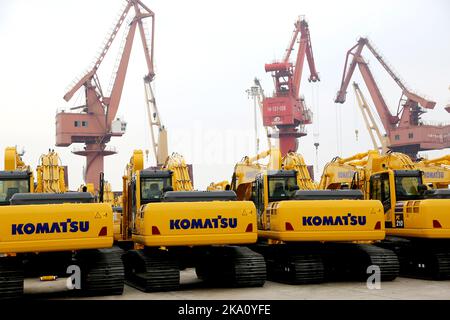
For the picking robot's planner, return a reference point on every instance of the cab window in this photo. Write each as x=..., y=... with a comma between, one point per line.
x=406, y=188
x=9, y=187
x=281, y=188
x=152, y=189
x=380, y=190
x=258, y=187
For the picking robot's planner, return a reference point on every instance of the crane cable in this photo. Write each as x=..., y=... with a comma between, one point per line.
x=316, y=124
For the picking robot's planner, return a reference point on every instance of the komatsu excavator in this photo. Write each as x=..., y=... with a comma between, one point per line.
x=307, y=235
x=171, y=225
x=44, y=230
x=436, y=172
x=416, y=219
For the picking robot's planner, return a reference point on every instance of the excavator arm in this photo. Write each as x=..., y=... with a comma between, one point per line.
x=181, y=180
x=294, y=161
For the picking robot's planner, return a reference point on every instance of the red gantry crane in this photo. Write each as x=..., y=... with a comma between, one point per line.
x=286, y=109
x=95, y=122
x=405, y=131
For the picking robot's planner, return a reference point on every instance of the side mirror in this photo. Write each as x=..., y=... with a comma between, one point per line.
x=421, y=188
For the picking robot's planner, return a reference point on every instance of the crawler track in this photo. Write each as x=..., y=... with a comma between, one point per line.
x=102, y=272
x=151, y=270
x=349, y=261
x=421, y=259
x=231, y=266
x=11, y=278
x=292, y=265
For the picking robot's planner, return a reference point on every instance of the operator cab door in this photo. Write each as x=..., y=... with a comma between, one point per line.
x=380, y=189
x=132, y=200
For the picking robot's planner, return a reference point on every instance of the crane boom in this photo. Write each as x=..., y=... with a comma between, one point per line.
x=286, y=110
x=405, y=130
x=369, y=120
x=96, y=123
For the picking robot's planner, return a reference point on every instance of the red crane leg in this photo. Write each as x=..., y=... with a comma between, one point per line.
x=95, y=154
x=288, y=137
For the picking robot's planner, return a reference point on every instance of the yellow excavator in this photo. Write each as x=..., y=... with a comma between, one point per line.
x=308, y=235
x=436, y=172
x=416, y=218
x=44, y=229
x=171, y=226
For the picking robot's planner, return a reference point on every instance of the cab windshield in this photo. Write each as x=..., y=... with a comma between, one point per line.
x=152, y=188
x=9, y=187
x=281, y=188
x=406, y=188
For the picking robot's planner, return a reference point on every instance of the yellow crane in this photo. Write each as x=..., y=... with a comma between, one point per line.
x=171, y=225
x=379, y=141
x=416, y=219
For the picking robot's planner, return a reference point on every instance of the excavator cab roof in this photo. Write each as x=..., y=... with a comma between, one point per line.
x=282, y=173
x=407, y=173
x=9, y=175
x=51, y=198
x=151, y=173
x=199, y=196
x=328, y=195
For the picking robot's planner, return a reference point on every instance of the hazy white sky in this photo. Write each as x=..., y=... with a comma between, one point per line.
x=207, y=54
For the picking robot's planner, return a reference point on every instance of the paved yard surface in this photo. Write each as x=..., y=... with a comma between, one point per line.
x=401, y=288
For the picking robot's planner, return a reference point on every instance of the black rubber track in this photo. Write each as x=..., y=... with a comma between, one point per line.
x=425, y=263
x=385, y=259
x=151, y=270
x=102, y=272
x=421, y=258
x=292, y=264
x=232, y=266
x=11, y=278
x=350, y=262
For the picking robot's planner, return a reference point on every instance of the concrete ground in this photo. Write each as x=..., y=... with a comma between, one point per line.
x=192, y=288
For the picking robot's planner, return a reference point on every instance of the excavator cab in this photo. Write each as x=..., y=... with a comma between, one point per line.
x=153, y=184
x=12, y=182
x=280, y=185
x=394, y=186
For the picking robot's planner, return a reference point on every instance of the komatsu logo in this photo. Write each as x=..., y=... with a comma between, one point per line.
x=345, y=175
x=347, y=220
x=434, y=175
x=209, y=223
x=55, y=227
